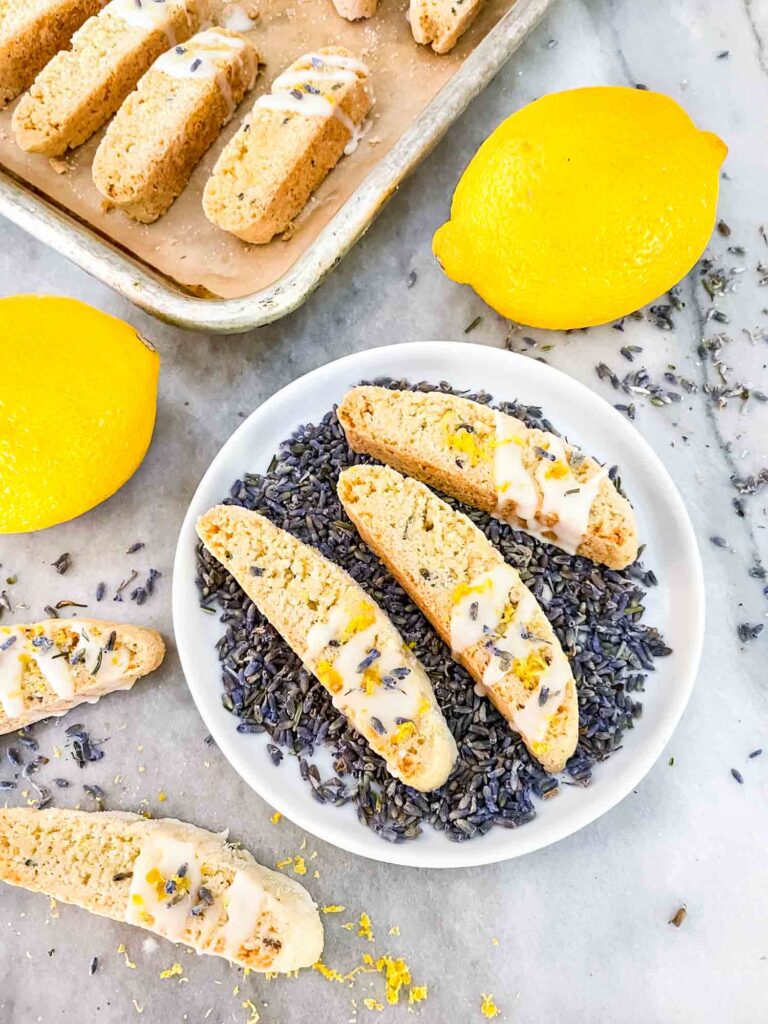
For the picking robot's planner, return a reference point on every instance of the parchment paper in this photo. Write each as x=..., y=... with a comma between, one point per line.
x=183, y=245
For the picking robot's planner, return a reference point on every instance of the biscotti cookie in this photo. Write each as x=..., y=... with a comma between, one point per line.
x=163, y=129
x=476, y=602
x=174, y=879
x=33, y=31
x=531, y=479
x=291, y=140
x=342, y=637
x=441, y=23
x=80, y=89
x=48, y=667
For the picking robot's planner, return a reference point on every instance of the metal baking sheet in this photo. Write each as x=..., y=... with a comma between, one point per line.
x=161, y=296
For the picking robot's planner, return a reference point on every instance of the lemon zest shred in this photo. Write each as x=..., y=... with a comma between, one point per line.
x=466, y=443
x=396, y=975
x=557, y=470
x=299, y=866
x=417, y=994
x=364, y=618
x=254, y=1013
x=371, y=679
x=465, y=589
x=328, y=676
x=488, y=1008
x=404, y=731
x=529, y=669
x=128, y=962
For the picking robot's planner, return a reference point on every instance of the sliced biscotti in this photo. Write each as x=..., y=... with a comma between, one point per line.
x=80, y=89
x=163, y=129
x=354, y=10
x=48, y=667
x=342, y=637
x=530, y=478
x=476, y=602
x=176, y=880
x=31, y=33
x=441, y=23
x=293, y=137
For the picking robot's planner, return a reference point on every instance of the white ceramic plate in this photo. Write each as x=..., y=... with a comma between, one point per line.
x=676, y=605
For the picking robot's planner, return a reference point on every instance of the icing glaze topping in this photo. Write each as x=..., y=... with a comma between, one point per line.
x=57, y=667
x=150, y=15
x=307, y=88
x=209, y=55
x=496, y=610
x=168, y=894
x=372, y=677
x=548, y=498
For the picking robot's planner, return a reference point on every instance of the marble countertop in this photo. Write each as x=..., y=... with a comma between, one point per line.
x=578, y=931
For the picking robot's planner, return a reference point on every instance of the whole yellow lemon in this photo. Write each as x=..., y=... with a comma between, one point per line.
x=78, y=393
x=583, y=206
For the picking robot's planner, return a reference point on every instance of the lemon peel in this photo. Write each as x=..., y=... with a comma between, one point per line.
x=78, y=395
x=583, y=206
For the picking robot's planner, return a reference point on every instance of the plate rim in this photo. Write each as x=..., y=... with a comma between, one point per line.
x=466, y=854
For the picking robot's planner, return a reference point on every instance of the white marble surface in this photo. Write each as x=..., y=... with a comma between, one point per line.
x=582, y=927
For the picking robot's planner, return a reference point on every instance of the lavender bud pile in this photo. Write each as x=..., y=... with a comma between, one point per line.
x=596, y=613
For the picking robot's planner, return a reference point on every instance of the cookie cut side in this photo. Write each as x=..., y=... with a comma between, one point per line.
x=31, y=33
x=80, y=89
x=166, y=125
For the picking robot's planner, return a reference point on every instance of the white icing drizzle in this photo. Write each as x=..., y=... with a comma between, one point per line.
x=478, y=617
x=481, y=607
x=169, y=883
x=54, y=667
x=375, y=677
x=290, y=89
x=567, y=497
x=209, y=55
x=150, y=15
x=245, y=900
x=11, y=672
x=513, y=481
x=560, y=492
x=149, y=905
